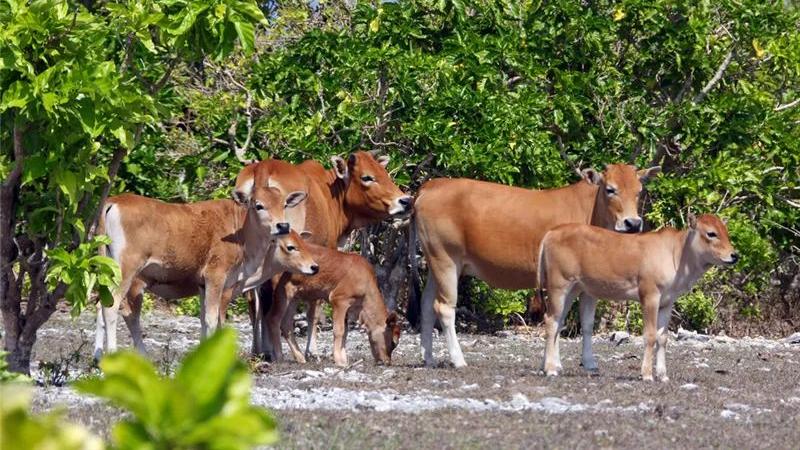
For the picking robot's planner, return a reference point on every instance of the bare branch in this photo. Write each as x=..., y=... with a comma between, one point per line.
x=787, y=105
x=715, y=79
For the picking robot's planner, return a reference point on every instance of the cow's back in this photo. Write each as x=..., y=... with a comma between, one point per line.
x=493, y=229
x=178, y=237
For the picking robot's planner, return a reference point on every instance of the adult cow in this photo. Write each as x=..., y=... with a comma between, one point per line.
x=492, y=231
x=352, y=194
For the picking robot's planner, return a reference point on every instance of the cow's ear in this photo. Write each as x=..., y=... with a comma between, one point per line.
x=646, y=174
x=306, y=235
x=692, y=219
x=242, y=192
x=295, y=198
x=592, y=176
x=339, y=166
x=383, y=160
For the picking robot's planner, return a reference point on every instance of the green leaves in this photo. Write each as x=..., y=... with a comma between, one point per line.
x=18, y=429
x=83, y=270
x=206, y=405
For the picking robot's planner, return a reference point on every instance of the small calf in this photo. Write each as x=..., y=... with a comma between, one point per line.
x=348, y=282
x=654, y=268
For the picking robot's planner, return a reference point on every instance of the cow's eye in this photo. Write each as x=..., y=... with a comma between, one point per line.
x=610, y=190
x=259, y=207
x=291, y=248
x=367, y=178
x=711, y=234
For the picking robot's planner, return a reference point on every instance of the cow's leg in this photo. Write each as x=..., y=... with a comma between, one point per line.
x=588, y=305
x=225, y=300
x=340, y=308
x=559, y=300
x=254, y=313
x=99, y=334
x=109, y=314
x=427, y=319
x=274, y=321
x=312, y=318
x=664, y=314
x=265, y=296
x=445, y=307
x=287, y=330
x=212, y=302
x=650, y=306
x=133, y=313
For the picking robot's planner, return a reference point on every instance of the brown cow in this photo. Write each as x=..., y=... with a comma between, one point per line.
x=492, y=232
x=214, y=248
x=356, y=192
x=348, y=282
x=655, y=268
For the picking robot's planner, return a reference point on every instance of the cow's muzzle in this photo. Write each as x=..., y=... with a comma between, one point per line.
x=282, y=228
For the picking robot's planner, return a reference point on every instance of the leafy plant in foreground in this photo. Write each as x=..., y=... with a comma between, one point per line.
x=206, y=404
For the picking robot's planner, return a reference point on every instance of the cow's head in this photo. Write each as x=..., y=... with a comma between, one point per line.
x=383, y=340
x=271, y=191
x=292, y=254
x=370, y=192
x=712, y=243
x=617, y=202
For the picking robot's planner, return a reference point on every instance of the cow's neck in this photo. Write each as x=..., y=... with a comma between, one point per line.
x=688, y=265
x=343, y=216
x=595, y=204
x=255, y=242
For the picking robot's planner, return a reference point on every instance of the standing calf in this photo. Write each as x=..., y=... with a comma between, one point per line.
x=348, y=282
x=216, y=249
x=654, y=268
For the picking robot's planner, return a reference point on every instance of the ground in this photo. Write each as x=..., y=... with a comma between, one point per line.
x=742, y=393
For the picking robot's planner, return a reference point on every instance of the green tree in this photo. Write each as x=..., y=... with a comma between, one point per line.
x=80, y=88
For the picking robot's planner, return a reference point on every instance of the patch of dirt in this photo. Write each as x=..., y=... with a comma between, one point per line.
x=723, y=392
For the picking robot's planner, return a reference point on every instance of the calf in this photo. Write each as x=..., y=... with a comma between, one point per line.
x=348, y=282
x=654, y=268
x=214, y=248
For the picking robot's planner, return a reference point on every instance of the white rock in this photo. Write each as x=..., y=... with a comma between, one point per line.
x=728, y=414
x=618, y=337
x=793, y=339
x=689, y=387
x=686, y=335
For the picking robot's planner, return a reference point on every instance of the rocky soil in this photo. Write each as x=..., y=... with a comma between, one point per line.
x=742, y=393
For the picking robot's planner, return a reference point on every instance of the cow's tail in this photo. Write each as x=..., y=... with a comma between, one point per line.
x=536, y=306
x=414, y=286
x=103, y=250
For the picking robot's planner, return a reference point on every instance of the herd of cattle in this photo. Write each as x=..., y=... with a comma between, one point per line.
x=283, y=225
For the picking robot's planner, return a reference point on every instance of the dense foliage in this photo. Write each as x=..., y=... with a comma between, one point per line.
x=156, y=97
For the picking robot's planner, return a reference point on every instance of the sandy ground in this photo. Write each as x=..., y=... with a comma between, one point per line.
x=742, y=393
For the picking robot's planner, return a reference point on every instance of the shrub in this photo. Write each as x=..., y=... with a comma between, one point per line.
x=6, y=375
x=206, y=404
x=631, y=321
x=189, y=306
x=697, y=310
x=20, y=430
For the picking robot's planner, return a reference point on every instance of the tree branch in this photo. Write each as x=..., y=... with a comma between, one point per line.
x=715, y=79
x=787, y=105
x=19, y=157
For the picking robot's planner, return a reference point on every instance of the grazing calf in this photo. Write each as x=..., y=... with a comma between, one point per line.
x=214, y=248
x=654, y=268
x=348, y=282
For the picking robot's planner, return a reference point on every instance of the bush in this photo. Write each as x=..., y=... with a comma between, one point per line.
x=8, y=376
x=206, y=404
x=631, y=320
x=20, y=430
x=189, y=306
x=697, y=310
x=497, y=303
